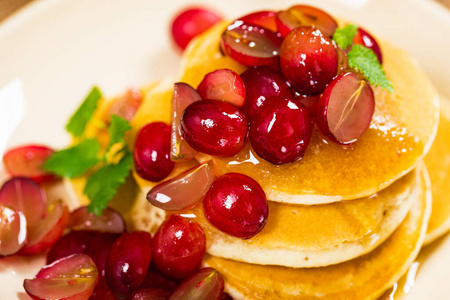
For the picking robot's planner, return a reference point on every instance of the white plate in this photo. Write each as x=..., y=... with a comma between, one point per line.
x=59, y=49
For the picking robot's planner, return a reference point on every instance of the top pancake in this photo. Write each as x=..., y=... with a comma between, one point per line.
x=401, y=132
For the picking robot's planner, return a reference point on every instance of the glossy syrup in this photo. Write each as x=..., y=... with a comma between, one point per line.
x=404, y=286
x=383, y=154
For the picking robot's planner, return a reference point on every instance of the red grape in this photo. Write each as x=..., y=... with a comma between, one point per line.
x=183, y=95
x=223, y=84
x=342, y=60
x=127, y=105
x=346, y=108
x=305, y=15
x=364, y=38
x=184, y=190
x=128, y=262
x=206, y=284
x=265, y=19
x=75, y=242
x=151, y=294
x=70, y=278
x=178, y=247
x=109, y=221
x=310, y=103
x=214, y=127
x=236, y=205
x=152, y=152
x=280, y=133
x=13, y=231
x=48, y=230
x=251, y=45
x=225, y=296
x=27, y=161
x=308, y=60
x=26, y=196
x=261, y=83
x=98, y=251
x=156, y=280
x=190, y=23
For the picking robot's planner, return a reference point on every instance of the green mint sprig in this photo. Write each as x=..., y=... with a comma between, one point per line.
x=365, y=60
x=83, y=114
x=107, y=170
x=74, y=161
x=361, y=58
x=103, y=184
x=344, y=36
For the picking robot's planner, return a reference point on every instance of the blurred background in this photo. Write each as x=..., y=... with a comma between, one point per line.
x=7, y=7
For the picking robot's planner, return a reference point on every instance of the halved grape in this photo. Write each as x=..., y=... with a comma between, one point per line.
x=27, y=161
x=251, y=45
x=206, y=284
x=265, y=19
x=236, y=205
x=190, y=23
x=308, y=59
x=183, y=95
x=152, y=152
x=184, y=190
x=127, y=105
x=262, y=83
x=364, y=38
x=346, y=108
x=70, y=278
x=48, y=230
x=13, y=230
x=75, y=242
x=179, y=246
x=223, y=84
x=151, y=294
x=109, y=221
x=27, y=196
x=128, y=262
x=214, y=127
x=305, y=15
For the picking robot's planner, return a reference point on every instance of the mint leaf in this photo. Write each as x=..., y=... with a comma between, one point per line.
x=103, y=184
x=365, y=60
x=117, y=130
x=74, y=161
x=80, y=118
x=344, y=36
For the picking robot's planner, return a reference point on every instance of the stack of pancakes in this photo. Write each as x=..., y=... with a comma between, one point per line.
x=344, y=222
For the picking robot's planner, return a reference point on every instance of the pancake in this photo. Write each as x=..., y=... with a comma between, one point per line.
x=400, y=134
x=320, y=235
x=438, y=164
x=366, y=277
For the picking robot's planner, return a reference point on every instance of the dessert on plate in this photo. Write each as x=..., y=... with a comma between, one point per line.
x=291, y=157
